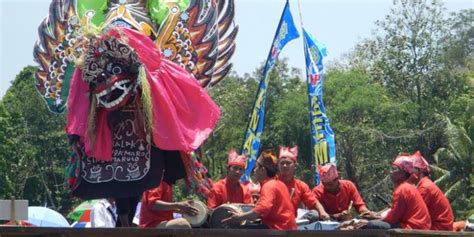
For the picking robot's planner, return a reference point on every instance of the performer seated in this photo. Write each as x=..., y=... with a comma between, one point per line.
x=274, y=206
x=408, y=209
x=157, y=209
x=229, y=189
x=441, y=214
x=338, y=196
x=299, y=190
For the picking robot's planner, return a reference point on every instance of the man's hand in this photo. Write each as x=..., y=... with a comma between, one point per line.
x=186, y=208
x=343, y=216
x=370, y=215
x=323, y=215
x=231, y=220
x=311, y=215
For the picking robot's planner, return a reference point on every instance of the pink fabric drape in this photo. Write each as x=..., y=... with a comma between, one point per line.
x=183, y=113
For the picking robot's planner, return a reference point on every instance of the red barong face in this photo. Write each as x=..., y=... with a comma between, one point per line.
x=111, y=70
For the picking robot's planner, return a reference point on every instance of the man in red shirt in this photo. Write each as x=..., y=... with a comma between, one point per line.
x=299, y=190
x=229, y=189
x=441, y=214
x=157, y=209
x=274, y=206
x=338, y=196
x=408, y=209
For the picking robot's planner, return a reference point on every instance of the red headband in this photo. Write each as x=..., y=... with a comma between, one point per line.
x=328, y=172
x=405, y=163
x=420, y=162
x=236, y=159
x=289, y=153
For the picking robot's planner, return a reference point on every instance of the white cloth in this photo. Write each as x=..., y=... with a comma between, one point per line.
x=103, y=214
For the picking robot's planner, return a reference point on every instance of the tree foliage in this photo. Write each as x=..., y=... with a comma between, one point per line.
x=33, y=146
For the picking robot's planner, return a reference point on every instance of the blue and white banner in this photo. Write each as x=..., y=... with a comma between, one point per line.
x=322, y=136
x=285, y=32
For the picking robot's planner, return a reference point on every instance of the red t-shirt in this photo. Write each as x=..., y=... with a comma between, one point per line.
x=224, y=192
x=336, y=203
x=299, y=192
x=438, y=205
x=408, y=208
x=150, y=217
x=274, y=206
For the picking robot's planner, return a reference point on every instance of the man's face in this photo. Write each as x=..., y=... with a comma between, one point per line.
x=331, y=186
x=287, y=167
x=234, y=172
x=255, y=197
x=397, y=175
x=260, y=172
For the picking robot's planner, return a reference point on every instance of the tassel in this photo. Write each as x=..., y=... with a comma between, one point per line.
x=146, y=98
x=91, y=121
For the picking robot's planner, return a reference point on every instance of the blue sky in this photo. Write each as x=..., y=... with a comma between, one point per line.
x=340, y=24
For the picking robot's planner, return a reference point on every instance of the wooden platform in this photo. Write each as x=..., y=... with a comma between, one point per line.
x=132, y=232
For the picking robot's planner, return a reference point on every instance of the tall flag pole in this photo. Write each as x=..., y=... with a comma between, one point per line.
x=285, y=32
x=322, y=136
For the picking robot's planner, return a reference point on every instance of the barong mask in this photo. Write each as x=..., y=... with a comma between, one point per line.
x=111, y=70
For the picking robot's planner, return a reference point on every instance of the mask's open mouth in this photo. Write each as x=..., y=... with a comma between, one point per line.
x=116, y=95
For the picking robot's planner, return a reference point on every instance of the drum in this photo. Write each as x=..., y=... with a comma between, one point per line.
x=224, y=211
x=201, y=217
x=326, y=225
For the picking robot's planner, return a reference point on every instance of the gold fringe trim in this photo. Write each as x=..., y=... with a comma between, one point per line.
x=92, y=120
x=146, y=99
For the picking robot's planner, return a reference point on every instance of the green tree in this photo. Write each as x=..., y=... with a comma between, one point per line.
x=454, y=169
x=234, y=95
x=424, y=61
x=364, y=120
x=34, y=147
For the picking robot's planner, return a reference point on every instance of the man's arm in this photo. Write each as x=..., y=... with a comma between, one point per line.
x=323, y=215
x=180, y=207
x=358, y=201
x=238, y=218
x=309, y=198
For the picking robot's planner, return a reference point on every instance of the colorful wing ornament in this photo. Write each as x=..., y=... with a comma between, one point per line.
x=54, y=53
